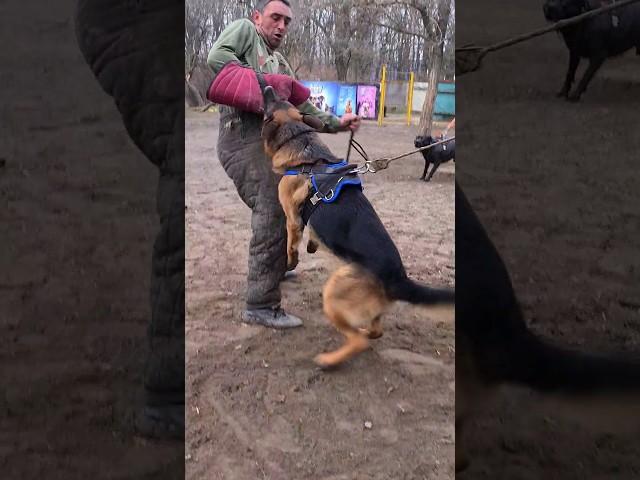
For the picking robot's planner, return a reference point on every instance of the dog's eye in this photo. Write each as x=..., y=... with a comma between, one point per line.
x=269, y=118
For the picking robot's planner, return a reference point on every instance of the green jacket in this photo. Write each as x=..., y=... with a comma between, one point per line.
x=241, y=42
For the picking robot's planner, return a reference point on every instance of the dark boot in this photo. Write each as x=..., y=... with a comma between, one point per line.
x=271, y=317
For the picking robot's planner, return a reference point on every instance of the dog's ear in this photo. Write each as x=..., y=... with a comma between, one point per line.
x=270, y=97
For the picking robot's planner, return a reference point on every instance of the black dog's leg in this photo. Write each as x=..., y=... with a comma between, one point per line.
x=574, y=61
x=594, y=65
x=436, y=164
x=426, y=167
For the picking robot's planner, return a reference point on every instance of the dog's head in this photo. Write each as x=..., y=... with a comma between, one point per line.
x=423, y=141
x=284, y=125
x=555, y=10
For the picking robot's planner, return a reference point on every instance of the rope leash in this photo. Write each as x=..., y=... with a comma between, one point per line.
x=374, y=166
x=469, y=58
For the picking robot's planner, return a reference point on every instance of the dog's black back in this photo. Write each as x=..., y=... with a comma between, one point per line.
x=352, y=230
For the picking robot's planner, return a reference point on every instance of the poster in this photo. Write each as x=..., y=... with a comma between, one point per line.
x=324, y=95
x=346, y=100
x=366, y=107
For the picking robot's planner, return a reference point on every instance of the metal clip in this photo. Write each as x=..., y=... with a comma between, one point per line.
x=330, y=195
x=315, y=198
x=377, y=165
x=318, y=196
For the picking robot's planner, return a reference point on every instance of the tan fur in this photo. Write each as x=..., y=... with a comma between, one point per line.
x=353, y=300
x=292, y=192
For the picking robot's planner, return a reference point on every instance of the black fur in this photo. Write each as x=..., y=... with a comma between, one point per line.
x=489, y=322
x=597, y=39
x=349, y=226
x=352, y=230
x=435, y=155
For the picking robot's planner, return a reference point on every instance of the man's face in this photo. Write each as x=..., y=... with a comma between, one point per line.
x=273, y=23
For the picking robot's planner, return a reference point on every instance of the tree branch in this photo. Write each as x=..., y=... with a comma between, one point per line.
x=403, y=31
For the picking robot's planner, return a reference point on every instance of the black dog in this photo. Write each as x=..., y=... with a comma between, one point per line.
x=598, y=38
x=439, y=154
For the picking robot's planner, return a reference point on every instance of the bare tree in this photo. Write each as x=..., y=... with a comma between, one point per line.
x=345, y=40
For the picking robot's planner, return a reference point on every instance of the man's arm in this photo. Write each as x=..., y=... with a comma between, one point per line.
x=327, y=118
x=232, y=44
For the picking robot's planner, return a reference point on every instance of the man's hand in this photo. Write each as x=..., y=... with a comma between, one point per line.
x=350, y=121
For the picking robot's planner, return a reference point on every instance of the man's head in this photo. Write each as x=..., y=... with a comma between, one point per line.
x=272, y=18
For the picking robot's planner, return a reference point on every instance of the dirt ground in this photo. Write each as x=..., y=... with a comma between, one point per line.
x=78, y=222
x=556, y=185
x=257, y=407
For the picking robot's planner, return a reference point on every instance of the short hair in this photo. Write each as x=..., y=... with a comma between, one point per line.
x=262, y=4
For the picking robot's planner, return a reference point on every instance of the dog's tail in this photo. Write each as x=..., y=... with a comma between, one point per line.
x=419, y=294
x=602, y=391
x=551, y=369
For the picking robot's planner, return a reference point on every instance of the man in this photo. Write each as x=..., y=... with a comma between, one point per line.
x=241, y=152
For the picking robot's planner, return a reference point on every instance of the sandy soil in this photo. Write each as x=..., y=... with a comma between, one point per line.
x=78, y=221
x=257, y=407
x=556, y=184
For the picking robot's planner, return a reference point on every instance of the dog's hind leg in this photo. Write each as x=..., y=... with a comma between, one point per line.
x=436, y=164
x=353, y=303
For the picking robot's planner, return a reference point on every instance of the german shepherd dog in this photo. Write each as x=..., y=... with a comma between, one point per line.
x=356, y=295
x=494, y=347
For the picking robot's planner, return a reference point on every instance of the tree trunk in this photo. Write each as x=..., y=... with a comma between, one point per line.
x=433, y=77
x=191, y=95
x=434, y=53
x=342, y=65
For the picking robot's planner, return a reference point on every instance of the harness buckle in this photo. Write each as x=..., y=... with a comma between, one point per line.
x=315, y=198
x=379, y=164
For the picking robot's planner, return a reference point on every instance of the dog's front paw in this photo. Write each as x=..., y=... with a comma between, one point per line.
x=562, y=93
x=292, y=261
x=324, y=360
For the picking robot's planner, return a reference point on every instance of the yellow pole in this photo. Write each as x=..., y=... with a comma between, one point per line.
x=410, y=99
x=383, y=92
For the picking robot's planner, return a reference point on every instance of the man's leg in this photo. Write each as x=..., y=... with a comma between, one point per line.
x=241, y=153
x=163, y=413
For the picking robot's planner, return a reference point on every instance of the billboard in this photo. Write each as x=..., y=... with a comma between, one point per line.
x=324, y=95
x=346, y=100
x=366, y=106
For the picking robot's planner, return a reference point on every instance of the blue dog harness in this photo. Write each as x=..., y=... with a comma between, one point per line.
x=327, y=181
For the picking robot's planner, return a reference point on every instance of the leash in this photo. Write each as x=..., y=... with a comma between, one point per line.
x=469, y=58
x=374, y=166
